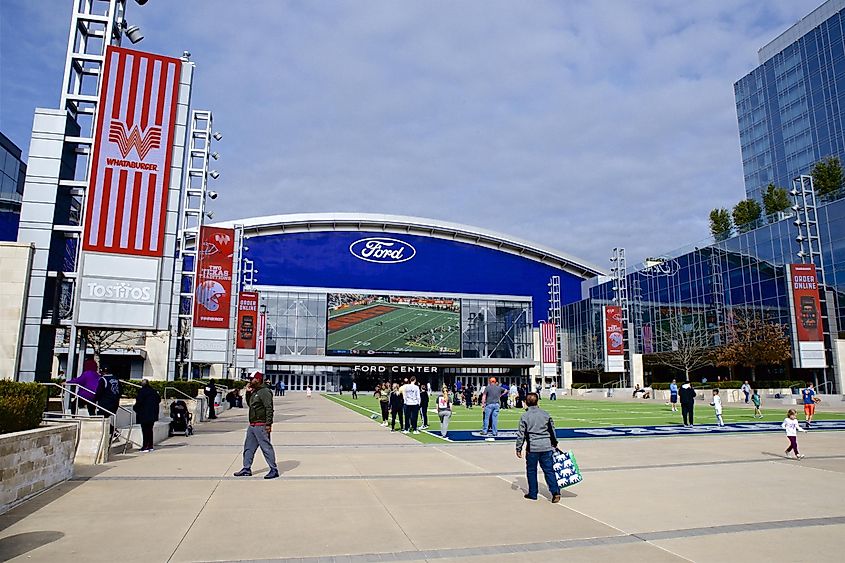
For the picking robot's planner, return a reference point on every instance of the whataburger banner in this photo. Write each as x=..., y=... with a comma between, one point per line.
x=548, y=340
x=614, y=341
x=126, y=204
x=807, y=331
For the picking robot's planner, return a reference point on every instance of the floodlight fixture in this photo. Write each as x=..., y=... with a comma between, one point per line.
x=140, y=2
x=214, y=174
x=186, y=55
x=215, y=155
x=799, y=238
x=209, y=214
x=212, y=195
x=794, y=191
x=217, y=136
x=132, y=32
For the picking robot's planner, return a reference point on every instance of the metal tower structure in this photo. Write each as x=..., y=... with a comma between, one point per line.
x=619, y=273
x=554, y=317
x=195, y=194
x=57, y=180
x=718, y=293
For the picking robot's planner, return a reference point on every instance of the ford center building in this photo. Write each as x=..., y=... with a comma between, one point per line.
x=374, y=297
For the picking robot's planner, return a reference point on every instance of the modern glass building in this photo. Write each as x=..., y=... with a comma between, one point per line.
x=697, y=292
x=12, y=175
x=791, y=108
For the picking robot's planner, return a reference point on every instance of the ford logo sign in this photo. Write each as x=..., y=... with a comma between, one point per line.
x=382, y=250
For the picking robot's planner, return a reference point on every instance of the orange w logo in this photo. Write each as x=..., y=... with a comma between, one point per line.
x=142, y=143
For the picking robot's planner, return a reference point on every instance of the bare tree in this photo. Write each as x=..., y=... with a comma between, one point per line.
x=753, y=341
x=588, y=355
x=683, y=342
x=103, y=340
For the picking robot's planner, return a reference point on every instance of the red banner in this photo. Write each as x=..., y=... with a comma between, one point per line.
x=247, y=319
x=613, y=337
x=548, y=335
x=262, y=330
x=805, y=299
x=213, y=296
x=130, y=176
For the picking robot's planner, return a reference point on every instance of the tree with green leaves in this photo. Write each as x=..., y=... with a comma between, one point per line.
x=828, y=178
x=746, y=214
x=720, y=223
x=775, y=199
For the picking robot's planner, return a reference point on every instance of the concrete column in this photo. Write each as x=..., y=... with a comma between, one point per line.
x=637, y=370
x=566, y=374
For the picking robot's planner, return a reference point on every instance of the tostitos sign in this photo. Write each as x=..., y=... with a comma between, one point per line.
x=382, y=250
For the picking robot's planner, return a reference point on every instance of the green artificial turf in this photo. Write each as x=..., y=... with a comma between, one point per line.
x=576, y=413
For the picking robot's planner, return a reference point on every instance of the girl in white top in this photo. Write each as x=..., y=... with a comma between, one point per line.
x=308, y=391
x=790, y=424
x=717, y=407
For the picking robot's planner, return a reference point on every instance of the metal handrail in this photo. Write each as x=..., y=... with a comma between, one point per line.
x=178, y=391
x=130, y=383
x=112, y=415
x=825, y=384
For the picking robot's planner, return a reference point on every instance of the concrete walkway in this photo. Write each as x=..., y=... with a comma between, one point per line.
x=352, y=491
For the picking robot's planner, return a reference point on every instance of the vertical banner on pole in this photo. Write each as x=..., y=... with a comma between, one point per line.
x=123, y=237
x=807, y=319
x=548, y=343
x=246, y=328
x=261, y=340
x=614, y=342
x=213, y=294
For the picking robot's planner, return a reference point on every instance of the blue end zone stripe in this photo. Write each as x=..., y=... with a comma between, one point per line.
x=619, y=431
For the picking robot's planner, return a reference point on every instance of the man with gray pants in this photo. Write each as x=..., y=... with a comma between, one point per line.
x=259, y=397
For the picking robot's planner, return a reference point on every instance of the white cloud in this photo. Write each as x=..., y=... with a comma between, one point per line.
x=581, y=125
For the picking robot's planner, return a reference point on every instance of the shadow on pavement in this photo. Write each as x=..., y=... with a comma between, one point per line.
x=20, y=544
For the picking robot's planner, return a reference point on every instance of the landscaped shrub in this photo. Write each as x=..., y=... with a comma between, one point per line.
x=21, y=405
x=191, y=388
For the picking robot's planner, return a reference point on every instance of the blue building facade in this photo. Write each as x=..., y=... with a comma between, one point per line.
x=791, y=108
x=494, y=287
x=12, y=176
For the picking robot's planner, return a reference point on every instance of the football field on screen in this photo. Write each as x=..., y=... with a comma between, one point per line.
x=577, y=413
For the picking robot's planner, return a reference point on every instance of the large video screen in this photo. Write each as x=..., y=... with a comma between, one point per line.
x=392, y=325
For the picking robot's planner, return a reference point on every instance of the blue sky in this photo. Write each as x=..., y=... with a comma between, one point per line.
x=579, y=125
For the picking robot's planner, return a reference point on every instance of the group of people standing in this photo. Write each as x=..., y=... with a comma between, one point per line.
x=405, y=402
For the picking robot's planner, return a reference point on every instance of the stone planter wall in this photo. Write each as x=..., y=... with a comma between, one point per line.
x=34, y=460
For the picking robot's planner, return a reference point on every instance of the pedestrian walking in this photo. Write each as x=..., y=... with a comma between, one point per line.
x=146, y=409
x=308, y=391
x=424, y=405
x=537, y=432
x=553, y=392
x=673, y=395
x=107, y=396
x=716, y=403
x=87, y=384
x=259, y=398
x=746, y=389
x=210, y=392
x=687, y=396
x=755, y=399
x=282, y=387
x=397, y=408
x=444, y=411
x=279, y=388
x=790, y=424
x=411, y=394
x=383, y=395
x=354, y=389
x=490, y=402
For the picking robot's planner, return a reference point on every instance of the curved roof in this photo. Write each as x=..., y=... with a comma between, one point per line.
x=399, y=224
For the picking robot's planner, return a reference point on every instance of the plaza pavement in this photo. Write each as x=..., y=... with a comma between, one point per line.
x=352, y=491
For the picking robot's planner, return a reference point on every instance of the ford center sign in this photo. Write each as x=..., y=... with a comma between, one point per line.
x=382, y=250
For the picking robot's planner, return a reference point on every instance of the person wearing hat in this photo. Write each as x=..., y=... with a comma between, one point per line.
x=259, y=398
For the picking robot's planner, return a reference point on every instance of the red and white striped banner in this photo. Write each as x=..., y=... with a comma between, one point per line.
x=548, y=339
x=127, y=195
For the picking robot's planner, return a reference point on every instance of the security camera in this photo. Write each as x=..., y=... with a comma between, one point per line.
x=212, y=195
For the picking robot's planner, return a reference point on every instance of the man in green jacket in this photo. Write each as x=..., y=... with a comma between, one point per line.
x=259, y=397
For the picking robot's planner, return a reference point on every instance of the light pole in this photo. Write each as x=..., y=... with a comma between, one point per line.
x=619, y=272
x=194, y=214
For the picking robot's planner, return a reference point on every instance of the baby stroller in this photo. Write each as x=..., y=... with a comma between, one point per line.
x=180, y=419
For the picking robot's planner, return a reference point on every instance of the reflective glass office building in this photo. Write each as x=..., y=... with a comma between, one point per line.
x=791, y=108
x=700, y=288
x=12, y=175
x=373, y=297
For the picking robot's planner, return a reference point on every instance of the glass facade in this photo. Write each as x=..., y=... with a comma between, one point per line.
x=790, y=108
x=12, y=174
x=695, y=292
